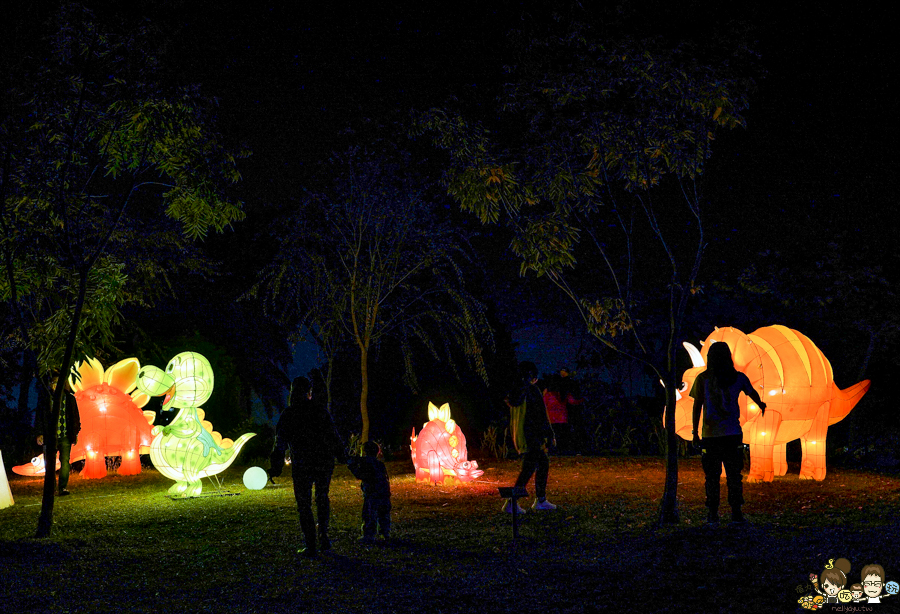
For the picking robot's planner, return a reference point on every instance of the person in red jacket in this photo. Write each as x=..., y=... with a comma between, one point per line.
x=557, y=413
x=564, y=412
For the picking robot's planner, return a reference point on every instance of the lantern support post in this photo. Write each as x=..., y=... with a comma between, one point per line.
x=514, y=493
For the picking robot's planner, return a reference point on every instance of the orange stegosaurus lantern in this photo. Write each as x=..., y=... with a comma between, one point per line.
x=439, y=452
x=112, y=422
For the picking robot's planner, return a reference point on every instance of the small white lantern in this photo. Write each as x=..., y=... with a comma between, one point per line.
x=255, y=478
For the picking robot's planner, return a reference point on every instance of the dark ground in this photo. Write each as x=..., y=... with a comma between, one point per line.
x=120, y=545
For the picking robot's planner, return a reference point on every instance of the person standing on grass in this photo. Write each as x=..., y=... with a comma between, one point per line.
x=532, y=433
x=69, y=427
x=308, y=431
x=376, y=487
x=715, y=394
x=67, y=430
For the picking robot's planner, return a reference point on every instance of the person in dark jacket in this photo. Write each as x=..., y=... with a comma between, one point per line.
x=308, y=431
x=67, y=430
x=67, y=435
x=538, y=434
x=376, y=512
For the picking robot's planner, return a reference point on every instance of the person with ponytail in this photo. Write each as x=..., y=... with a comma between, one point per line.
x=715, y=393
x=833, y=579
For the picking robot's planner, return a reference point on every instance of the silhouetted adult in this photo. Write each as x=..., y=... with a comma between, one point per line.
x=308, y=431
x=715, y=394
x=538, y=434
x=67, y=430
x=67, y=434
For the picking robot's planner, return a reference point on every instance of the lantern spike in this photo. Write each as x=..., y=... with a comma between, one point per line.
x=696, y=357
x=432, y=411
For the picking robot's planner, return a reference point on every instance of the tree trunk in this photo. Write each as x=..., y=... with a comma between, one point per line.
x=364, y=393
x=328, y=373
x=853, y=423
x=668, y=513
x=45, y=521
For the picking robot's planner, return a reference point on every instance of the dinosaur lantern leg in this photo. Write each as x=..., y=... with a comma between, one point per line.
x=813, y=444
x=189, y=485
x=131, y=463
x=779, y=459
x=762, y=447
x=131, y=460
x=434, y=468
x=192, y=470
x=94, y=462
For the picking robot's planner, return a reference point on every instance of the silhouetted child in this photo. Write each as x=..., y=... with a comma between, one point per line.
x=376, y=512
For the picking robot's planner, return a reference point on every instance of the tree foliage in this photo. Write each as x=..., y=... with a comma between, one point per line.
x=93, y=142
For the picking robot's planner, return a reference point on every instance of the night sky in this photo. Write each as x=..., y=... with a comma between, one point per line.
x=816, y=162
x=297, y=81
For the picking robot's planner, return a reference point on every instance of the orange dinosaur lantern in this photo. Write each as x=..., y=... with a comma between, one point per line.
x=112, y=423
x=795, y=380
x=439, y=451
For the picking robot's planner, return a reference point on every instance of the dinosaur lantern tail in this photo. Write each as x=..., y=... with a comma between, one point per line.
x=227, y=457
x=845, y=400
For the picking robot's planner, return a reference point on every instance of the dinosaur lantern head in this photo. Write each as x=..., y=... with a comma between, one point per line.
x=187, y=381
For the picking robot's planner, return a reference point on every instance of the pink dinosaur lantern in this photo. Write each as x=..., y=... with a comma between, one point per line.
x=439, y=451
x=112, y=423
x=795, y=380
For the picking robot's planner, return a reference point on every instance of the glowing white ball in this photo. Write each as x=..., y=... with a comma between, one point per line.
x=255, y=478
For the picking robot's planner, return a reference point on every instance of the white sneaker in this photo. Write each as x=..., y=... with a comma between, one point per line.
x=542, y=505
x=508, y=508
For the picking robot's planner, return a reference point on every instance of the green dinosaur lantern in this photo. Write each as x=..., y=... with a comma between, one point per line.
x=187, y=449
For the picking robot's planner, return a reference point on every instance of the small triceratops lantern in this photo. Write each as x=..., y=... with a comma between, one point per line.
x=795, y=380
x=439, y=451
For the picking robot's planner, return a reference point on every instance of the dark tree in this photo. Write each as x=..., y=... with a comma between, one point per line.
x=95, y=148
x=370, y=262
x=596, y=167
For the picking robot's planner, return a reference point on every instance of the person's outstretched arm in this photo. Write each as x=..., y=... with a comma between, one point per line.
x=754, y=396
x=698, y=408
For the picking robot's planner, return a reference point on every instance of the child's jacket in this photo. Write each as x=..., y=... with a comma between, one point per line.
x=373, y=474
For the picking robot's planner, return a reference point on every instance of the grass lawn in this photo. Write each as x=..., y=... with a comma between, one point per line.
x=120, y=545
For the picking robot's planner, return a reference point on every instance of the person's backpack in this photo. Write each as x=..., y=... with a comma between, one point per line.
x=517, y=426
